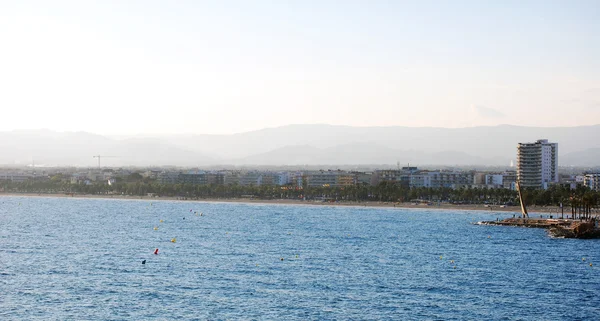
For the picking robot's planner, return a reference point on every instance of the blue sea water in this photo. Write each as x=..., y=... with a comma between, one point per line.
x=80, y=259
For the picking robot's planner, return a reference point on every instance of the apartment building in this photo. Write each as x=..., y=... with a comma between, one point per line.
x=537, y=164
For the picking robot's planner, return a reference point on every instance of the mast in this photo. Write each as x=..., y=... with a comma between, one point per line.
x=523, y=208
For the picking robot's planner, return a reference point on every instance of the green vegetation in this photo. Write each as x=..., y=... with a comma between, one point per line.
x=385, y=192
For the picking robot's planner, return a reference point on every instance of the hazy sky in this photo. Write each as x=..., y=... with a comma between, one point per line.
x=127, y=67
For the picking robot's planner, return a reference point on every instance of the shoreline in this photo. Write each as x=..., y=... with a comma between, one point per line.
x=371, y=204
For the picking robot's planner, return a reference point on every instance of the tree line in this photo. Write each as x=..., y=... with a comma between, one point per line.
x=383, y=192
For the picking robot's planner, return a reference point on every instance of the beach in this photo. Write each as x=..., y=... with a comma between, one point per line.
x=432, y=206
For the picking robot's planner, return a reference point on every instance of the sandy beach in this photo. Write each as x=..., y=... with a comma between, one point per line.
x=434, y=206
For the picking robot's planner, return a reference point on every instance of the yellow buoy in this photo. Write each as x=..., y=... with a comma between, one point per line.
x=161, y=221
x=296, y=255
x=173, y=240
x=440, y=257
x=590, y=264
x=583, y=259
x=156, y=228
x=454, y=267
x=452, y=261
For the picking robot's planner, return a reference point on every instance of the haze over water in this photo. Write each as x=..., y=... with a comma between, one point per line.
x=80, y=259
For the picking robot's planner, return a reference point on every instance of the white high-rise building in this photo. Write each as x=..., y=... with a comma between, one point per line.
x=537, y=163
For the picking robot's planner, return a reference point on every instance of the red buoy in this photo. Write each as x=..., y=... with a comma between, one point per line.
x=156, y=251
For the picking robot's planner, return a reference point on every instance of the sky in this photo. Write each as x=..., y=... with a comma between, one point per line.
x=222, y=67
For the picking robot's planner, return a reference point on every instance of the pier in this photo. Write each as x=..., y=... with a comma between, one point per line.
x=530, y=222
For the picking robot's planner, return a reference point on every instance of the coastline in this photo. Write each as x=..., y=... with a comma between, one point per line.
x=372, y=204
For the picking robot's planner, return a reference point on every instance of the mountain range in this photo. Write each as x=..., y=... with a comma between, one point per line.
x=302, y=145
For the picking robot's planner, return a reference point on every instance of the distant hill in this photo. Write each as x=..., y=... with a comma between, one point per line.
x=77, y=149
x=491, y=145
x=492, y=140
x=588, y=158
x=359, y=153
x=303, y=145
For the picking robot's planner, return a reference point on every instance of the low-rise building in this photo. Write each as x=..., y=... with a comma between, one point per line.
x=168, y=178
x=330, y=179
x=592, y=181
x=16, y=177
x=252, y=178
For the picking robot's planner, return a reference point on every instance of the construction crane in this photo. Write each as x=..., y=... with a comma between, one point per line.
x=99, y=157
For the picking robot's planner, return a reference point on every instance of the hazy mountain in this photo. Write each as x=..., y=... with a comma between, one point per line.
x=78, y=148
x=302, y=145
x=589, y=157
x=360, y=153
x=487, y=142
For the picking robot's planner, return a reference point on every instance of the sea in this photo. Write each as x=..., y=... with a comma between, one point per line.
x=93, y=259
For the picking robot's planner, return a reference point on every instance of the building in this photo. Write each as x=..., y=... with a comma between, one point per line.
x=420, y=180
x=296, y=179
x=252, y=178
x=168, y=178
x=509, y=179
x=15, y=177
x=193, y=178
x=592, y=181
x=363, y=178
x=537, y=164
x=393, y=176
x=494, y=180
x=449, y=179
x=330, y=179
x=232, y=178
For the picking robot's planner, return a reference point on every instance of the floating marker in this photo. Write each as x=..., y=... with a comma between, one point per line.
x=296, y=255
x=583, y=259
x=144, y=262
x=452, y=261
x=281, y=259
x=173, y=240
x=591, y=264
x=161, y=221
x=156, y=228
x=156, y=251
x=441, y=257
